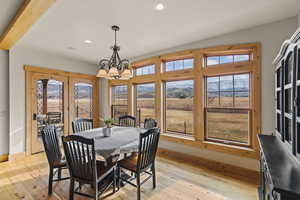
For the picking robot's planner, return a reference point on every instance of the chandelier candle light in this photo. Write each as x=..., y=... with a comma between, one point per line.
x=114, y=68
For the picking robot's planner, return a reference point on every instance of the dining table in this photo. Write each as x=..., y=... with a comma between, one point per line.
x=122, y=141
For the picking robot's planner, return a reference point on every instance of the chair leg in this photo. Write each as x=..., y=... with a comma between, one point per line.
x=138, y=183
x=114, y=180
x=71, y=195
x=50, y=181
x=119, y=177
x=96, y=192
x=153, y=176
x=59, y=173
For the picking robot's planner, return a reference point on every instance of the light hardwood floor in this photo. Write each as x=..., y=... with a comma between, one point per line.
x=28, y=179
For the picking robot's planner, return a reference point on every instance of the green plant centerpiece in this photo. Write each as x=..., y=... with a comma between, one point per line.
x=108, y=122
x=107, y=130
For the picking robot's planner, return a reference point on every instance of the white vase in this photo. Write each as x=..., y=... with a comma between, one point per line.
x=107, y=131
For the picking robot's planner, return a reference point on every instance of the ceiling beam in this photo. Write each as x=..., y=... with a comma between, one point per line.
x=27, y=15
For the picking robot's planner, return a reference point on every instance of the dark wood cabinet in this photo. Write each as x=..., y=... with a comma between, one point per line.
x=280, y=154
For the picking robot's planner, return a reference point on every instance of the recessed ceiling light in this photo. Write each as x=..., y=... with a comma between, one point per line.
x=160, y=6
x=88, y=41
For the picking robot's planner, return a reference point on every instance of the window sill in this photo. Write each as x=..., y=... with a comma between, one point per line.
x=178, y=135
x=213, y=146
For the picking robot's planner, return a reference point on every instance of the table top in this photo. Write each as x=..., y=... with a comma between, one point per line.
x=122, y=140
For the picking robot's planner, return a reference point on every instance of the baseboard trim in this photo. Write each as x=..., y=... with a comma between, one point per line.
x=3, y=158
x=17, y=156
x=232, y=171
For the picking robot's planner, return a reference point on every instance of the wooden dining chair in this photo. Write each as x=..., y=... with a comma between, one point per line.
x=85, y=169
x=127, y=120
x=82, y=125
x=54, y=156
x=150, y=123
x=143, y=162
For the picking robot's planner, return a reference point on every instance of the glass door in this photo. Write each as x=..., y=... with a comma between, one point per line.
x=83, y=98
x=49, y=98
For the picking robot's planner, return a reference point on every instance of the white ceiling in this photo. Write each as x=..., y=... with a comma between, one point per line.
x=8, y=9
x=143, y=30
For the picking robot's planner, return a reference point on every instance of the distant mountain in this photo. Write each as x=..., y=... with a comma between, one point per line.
x=84, y=91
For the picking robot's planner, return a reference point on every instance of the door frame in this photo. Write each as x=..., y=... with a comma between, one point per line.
x=37, y=76
x=29, y=74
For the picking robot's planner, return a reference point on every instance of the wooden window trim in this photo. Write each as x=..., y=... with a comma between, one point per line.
x=197, y=73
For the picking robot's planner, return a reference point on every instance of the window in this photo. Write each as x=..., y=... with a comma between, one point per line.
x=145, y=101
x=148, y=69
x=83, y=100
x=179, y=64
x=119, y=105
x=227, y=110
x=216, y=60
x=206, y=103
x=178, y=112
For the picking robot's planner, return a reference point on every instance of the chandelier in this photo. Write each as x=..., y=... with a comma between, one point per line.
x=115, y=67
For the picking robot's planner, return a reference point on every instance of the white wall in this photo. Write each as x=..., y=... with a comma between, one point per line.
x=4, y=103
x=271, y=37
x=18, y=57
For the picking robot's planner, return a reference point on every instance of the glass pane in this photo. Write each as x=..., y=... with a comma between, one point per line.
x=178, y=64
x=278, y=119
x=50, y=104
x=226, y=99
x=213, y=84
x=241, y=82
x=240, y=58
x=288, y=100
x=241, y=99
x=179, y=106
x=169, y=66
x=228, y=125
x=298, y=137
x=288, y=70
x=298, y=71
x=226, y=59
x=188, y=63
x=226, y=83
x=138, y=72
x=152, y=69
x=118, y=111
x=148, y=69
x=278, y=100
x=145, y=102
x=298, y=107
x=83, y=97
x=213, y=60
x=278, y=78
x=213, y=99
x=288, y=129
x=119, y=95
x=241, y=90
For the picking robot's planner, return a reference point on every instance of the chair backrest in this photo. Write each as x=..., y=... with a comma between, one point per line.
x=82, y=125
x=51, y=144
x=148, y=147
x=150, y=123
x=127, y=120
x=80, y=156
